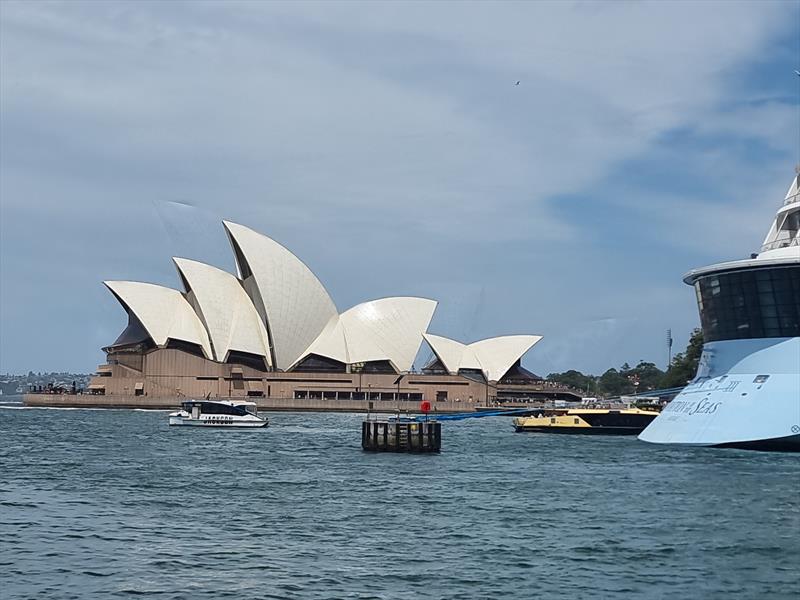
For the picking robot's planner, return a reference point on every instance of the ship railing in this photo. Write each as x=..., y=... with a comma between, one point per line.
x=792, y=199
x=783, y=243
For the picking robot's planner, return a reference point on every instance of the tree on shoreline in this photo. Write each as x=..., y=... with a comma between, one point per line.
x=644, y=377
x=684, y=365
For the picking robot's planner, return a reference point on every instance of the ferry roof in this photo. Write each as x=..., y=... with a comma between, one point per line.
x=225, y=401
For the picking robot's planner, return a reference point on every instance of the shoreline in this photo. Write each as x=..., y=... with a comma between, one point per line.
x=264, y=404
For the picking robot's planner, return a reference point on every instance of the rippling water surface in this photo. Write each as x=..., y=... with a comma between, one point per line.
x=114, y=503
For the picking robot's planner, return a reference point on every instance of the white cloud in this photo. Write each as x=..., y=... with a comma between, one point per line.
x=395, y=125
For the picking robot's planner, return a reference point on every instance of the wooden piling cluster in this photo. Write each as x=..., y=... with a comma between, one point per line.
x=400, y=436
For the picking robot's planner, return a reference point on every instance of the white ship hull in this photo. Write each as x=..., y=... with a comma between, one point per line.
x=185, y=420
x=746, y=394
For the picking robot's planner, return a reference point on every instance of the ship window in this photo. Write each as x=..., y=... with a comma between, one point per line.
x=750, y=304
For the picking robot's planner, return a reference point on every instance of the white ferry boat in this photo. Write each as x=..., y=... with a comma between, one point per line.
x=218, y=413
x=746, y=393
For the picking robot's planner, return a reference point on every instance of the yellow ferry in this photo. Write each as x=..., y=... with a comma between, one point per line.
x=608, y=421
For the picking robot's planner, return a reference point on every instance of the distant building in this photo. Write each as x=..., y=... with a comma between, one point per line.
x=272, y=330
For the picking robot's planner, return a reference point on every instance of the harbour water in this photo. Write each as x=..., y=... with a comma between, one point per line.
x=113, y=503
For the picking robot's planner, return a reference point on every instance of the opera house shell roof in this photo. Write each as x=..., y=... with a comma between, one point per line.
x=275, y=310
x=493, y=357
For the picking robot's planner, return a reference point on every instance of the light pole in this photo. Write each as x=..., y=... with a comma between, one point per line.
x=669, y=348
x=397, y=396
x=397, y=383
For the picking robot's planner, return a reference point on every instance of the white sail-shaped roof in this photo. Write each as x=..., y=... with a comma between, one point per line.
x=293, y=304
x=386, y=329
x=498, y=354
x=449, y=352
x=225, y=309
x=163, y=312
x=494, y=356
x=331, y=343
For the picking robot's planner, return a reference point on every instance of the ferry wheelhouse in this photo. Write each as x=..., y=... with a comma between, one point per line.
x=218, y=413
x=746, y=392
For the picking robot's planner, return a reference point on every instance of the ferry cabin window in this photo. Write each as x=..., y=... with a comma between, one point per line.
x=761, y=303
x=221, y=409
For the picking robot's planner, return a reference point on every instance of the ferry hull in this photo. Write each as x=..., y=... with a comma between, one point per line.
x=746, y=395
x=588, y=422
x=189, y=422
x=581, y=430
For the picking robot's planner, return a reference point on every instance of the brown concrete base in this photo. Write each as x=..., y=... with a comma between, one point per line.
x=266, y=404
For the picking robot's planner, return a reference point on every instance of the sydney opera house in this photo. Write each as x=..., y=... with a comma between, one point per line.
x=273, y=331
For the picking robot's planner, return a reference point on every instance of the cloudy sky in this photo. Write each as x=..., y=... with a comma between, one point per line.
x=388, y=146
